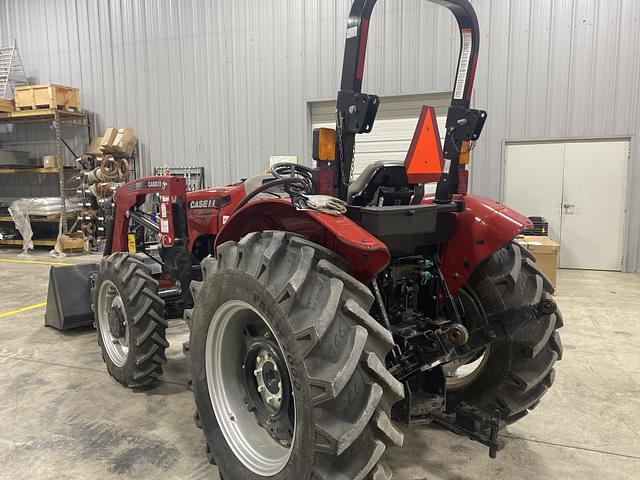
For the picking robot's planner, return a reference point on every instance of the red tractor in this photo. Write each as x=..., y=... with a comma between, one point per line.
x=320, y=310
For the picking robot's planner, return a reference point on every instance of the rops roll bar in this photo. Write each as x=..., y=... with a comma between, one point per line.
x=356, y=111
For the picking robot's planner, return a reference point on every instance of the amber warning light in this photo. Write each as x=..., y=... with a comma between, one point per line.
x=424, y=160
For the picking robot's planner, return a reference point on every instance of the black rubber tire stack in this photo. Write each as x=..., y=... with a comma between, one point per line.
x=520, y=368
x=147, y=325
x=335, y=354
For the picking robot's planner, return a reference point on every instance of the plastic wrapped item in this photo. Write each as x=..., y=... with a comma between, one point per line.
x=22, y=208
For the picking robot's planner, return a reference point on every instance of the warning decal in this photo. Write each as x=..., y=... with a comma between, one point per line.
x=463, y=66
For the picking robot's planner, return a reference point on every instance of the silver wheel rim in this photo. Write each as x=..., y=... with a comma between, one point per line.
x=460, y=373
x=117, y=347
x=250, y=443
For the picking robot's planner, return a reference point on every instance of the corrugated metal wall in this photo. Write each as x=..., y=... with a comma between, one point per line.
x=225, y=84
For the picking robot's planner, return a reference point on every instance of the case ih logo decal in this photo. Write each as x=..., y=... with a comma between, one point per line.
x=158, y=184
x=202, y=203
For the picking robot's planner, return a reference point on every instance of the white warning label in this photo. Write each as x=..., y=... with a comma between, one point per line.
x=352, y=32
x=463, y=66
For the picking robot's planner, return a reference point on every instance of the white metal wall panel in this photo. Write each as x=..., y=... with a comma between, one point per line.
x=225, y=84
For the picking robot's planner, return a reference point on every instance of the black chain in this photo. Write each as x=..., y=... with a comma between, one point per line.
x=339, y=128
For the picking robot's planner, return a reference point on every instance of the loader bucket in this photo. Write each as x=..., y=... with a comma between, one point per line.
x=69, y=297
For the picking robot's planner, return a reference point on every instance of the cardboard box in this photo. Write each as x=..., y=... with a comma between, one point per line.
x=50, y=161
x=546, y=252
x=72, y=242
x=123, y=143
x=108, y=138
x=94, y=147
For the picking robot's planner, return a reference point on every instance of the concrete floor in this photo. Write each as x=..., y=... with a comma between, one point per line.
x=61, y=415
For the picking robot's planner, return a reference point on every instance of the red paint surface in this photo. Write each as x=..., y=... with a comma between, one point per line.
x=133, y=194
x=365, y=254
x=362, y=48
x=462, y=186
x=482, y=229
x=208, y=221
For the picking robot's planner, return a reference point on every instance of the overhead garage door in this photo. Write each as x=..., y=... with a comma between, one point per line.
x=393, y=129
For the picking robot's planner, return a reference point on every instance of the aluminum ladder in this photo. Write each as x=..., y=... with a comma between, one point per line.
x=11, y=71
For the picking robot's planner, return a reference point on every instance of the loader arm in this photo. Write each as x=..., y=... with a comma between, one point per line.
x=356, y=111
x=172, y=224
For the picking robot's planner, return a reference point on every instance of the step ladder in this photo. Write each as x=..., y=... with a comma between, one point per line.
x=11, y=71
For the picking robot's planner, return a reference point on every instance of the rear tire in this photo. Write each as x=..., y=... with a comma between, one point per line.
x=333, y=349
x=519, y=369
x=133, y=348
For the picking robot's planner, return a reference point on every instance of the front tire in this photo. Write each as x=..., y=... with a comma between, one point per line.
x=291, y=297
x=514, y=373
x=129, y=319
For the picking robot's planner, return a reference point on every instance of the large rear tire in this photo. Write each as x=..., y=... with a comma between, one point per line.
x=290, y=296
x=129, y=319
x=514, y=373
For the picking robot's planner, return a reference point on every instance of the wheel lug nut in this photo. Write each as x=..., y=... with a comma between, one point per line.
x=257, y=372
x=262, y=389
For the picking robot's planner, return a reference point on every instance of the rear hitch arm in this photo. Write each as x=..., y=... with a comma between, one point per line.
x=471, y=422
x=467, y=420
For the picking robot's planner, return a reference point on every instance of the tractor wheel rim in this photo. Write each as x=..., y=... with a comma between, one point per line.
x=117, y=347
x=460, y=373
x=225, y=370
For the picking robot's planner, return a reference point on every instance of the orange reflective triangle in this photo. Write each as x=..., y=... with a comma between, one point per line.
x=424, y=161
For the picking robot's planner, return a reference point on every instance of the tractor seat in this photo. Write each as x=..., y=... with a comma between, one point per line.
x=384, y=183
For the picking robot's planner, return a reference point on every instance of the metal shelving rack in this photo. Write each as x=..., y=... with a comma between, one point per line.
x=193, y=175
x=59, y=119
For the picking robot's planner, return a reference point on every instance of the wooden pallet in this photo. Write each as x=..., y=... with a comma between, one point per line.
x=37, y=97
x=6, y=106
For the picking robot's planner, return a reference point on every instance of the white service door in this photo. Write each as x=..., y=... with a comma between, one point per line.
x=580, y=188
x=533, y=182
x=594, y=205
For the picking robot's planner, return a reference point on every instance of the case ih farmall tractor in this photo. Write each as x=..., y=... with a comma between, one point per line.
x=322, y=310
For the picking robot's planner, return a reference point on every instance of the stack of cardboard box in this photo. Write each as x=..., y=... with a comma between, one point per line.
x=119, y=142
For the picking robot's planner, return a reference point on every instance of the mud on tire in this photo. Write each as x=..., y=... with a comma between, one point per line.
x=146, y=339
x=335, y=355
x=519, y=369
